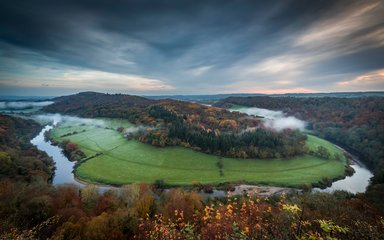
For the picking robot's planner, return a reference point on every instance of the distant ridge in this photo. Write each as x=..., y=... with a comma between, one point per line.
x=97, y=97
x=206, y=98
x=203, y=97
x=332, y=94
x=96, y=102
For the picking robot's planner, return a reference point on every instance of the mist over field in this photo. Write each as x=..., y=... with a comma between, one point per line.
x=133, y=130
x=56, y=118
x=275, y=119
x=22, y=105
x=285, y=123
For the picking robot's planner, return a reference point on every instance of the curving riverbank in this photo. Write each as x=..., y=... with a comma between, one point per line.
x=64, y=167
x=357, y=183
x=64, y=173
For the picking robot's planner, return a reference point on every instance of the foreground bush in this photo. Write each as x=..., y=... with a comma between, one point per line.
x=37, y=211
x=253, y=218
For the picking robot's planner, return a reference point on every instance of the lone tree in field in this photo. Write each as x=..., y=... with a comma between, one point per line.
x=322, y=152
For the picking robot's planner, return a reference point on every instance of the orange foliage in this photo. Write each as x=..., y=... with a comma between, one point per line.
x=228, y=123
x=177, y=201
x=70, y=147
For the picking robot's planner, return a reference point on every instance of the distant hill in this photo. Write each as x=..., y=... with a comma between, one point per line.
x=212, y=98
x=331, y=94
x=207, y=98
x=89, y=104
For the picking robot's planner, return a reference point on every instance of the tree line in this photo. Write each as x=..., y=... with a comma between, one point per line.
x=255, y=143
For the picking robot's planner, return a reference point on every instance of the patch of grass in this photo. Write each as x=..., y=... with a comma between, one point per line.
x=126, y=161
x=313, y=142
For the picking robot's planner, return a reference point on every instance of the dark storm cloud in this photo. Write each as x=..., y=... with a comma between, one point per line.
x=166, y=30
x=189, y=46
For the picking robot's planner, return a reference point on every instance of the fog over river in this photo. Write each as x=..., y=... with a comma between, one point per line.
x=19, y=105
x=274, y=119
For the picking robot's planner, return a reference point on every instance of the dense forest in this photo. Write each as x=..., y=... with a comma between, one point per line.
x=19, y=159
x=92, y=104
x=171, y=122
x=354, y=123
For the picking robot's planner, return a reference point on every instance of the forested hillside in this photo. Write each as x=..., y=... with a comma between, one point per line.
x=19, y=159
x=21, y=165
x=171, y=122
x=92, y=104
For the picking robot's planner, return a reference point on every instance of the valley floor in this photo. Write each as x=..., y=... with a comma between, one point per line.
x=121, y=161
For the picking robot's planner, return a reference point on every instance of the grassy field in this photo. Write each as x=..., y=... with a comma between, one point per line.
x=126, y=161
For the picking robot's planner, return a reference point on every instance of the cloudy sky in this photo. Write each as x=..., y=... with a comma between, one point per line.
x=190, y=47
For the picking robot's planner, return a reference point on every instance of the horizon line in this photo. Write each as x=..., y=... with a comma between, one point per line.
x=204, y=94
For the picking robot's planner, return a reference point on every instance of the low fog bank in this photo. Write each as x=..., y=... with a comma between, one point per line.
x=275, y=119
x=22, y=105
x=266, y=113
x=56, y=118
x=285, y=123
x=128, y=132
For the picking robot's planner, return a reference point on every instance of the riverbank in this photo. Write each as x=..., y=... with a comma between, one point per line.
x=67, y=171
x=241, y=189
x=348, y=183
x=119, y=161
x=262, y=191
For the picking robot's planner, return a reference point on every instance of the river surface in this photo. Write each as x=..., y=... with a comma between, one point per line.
x=358, y=182
x=64, y=167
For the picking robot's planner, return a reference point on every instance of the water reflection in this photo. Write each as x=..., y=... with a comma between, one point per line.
x=357, y=183
x=64, y=167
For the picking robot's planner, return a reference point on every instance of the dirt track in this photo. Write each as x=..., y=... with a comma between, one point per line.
x=263, y=191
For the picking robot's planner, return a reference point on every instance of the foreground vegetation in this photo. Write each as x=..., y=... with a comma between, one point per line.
x=37, y=211
x=112, y=159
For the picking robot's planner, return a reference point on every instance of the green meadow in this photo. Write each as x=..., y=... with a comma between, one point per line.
x=123, y=161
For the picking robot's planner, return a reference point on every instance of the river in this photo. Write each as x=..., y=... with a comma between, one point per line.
x=358, y=182
x=64, y=167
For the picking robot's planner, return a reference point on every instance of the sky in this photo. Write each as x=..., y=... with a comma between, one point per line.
x=190, y=47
